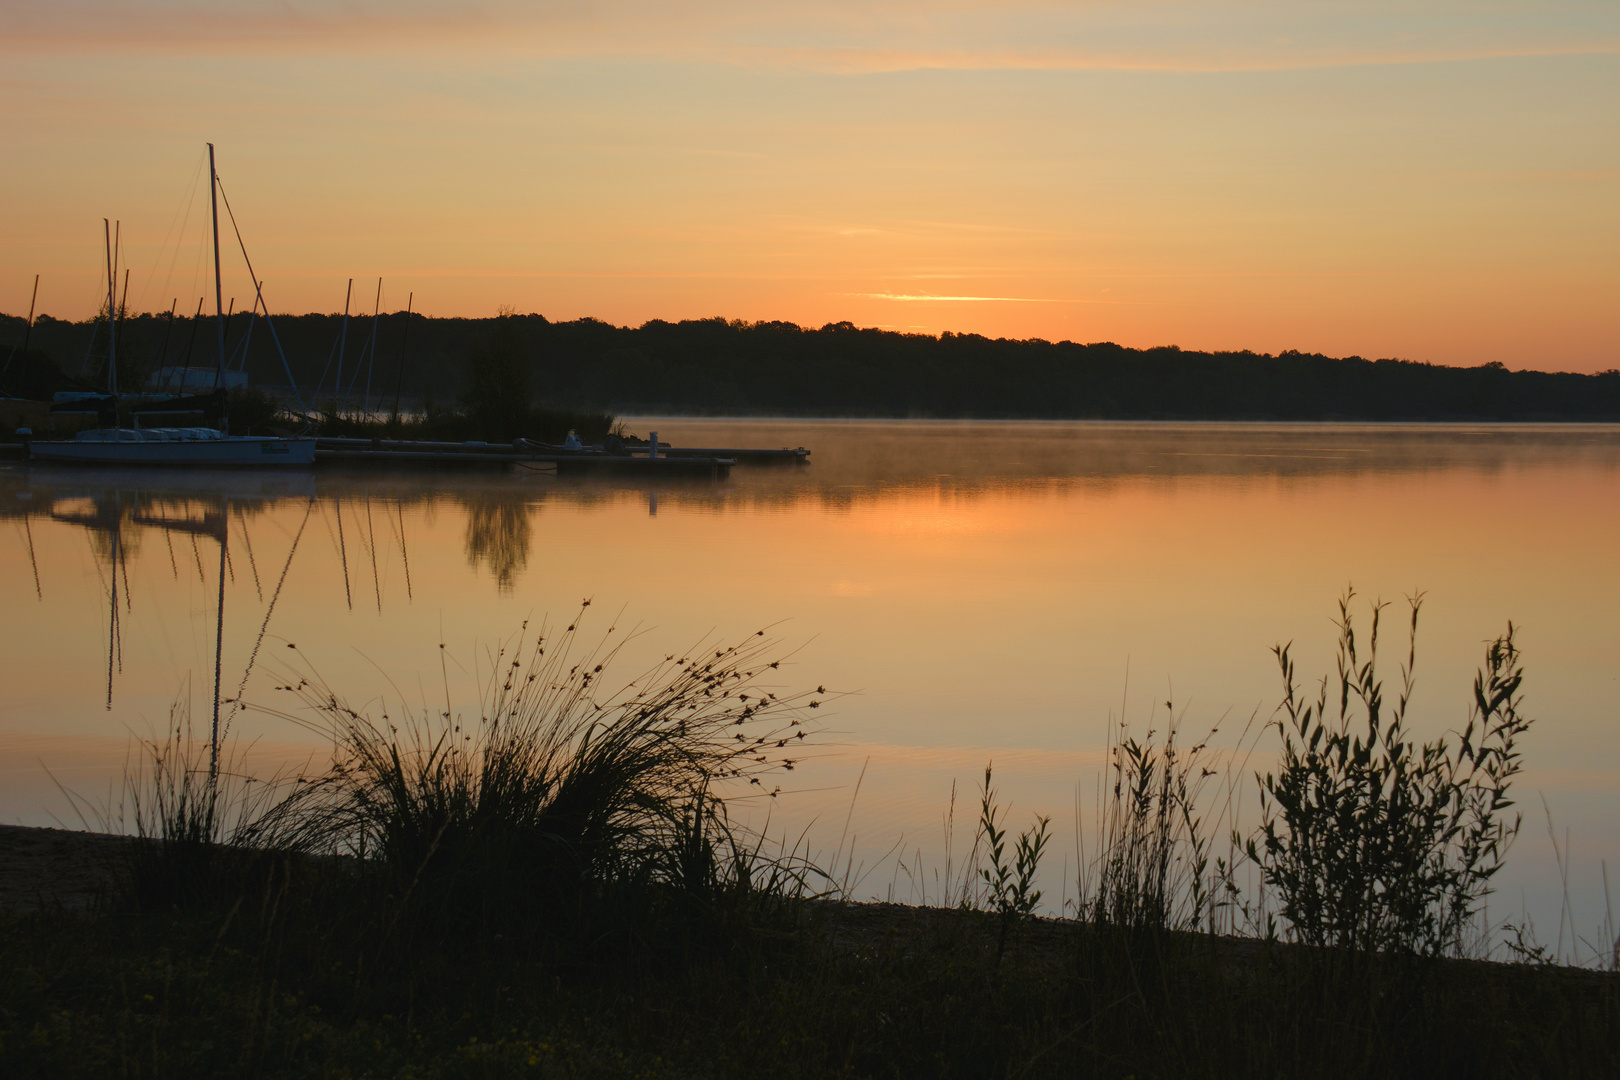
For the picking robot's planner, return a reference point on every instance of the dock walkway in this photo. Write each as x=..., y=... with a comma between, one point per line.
x=634, y=460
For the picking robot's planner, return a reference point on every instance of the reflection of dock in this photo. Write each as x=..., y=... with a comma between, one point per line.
x=634, y=461
x=784, y=456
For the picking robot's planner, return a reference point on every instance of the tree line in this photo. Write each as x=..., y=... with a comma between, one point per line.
x=733, y=367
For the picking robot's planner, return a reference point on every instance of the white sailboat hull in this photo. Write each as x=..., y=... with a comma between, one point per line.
x=148, y=447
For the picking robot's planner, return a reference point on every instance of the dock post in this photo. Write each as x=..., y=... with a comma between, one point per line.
x=652, y=445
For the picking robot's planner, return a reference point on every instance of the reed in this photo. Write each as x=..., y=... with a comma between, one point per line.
x=202, y=827
x=555, y=791
x=1153, y=866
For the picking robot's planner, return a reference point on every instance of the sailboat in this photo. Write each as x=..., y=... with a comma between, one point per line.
x=210, y=446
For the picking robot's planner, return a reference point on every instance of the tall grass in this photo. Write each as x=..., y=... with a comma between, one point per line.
x=200, y=831
x=559, y=791
x=1153, y=865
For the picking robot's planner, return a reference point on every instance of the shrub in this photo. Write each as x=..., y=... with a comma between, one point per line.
x=1371, y=840
x=1009, y=888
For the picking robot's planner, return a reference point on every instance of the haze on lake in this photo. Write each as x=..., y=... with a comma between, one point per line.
x=967, y=591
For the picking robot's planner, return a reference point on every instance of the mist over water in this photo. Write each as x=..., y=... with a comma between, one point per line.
x=974, y=591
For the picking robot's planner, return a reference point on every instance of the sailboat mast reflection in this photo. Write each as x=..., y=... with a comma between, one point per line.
x=114, y=519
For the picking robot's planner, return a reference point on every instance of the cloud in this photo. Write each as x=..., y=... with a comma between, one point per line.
x=844, y=36
x=955, y=299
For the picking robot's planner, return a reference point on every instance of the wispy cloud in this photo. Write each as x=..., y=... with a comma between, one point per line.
x=956, y=299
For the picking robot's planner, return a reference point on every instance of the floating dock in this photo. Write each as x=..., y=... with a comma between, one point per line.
x=633, y=460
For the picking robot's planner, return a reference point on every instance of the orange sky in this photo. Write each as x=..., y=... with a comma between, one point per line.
x=1433, y=180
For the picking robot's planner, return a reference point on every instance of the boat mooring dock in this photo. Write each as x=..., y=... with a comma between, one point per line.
x=634, y=460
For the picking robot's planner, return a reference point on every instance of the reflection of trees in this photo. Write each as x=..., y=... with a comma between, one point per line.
x=498, y=535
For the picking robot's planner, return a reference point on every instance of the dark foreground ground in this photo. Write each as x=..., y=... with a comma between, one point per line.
x=282, y=980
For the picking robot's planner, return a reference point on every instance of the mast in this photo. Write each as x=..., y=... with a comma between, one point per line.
x=399, y=372
x=219, y=298
x=112, y=329
x=376, y=311
x=112, y=611
x=28, y=333
x=123, y=297
x=343, y=342
x=219, y=641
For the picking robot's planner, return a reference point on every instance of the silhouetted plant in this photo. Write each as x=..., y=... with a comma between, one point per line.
x=1009, y=887
x=556, y=790
x=201, y=832
x=1372, y=840
x=1154, y=864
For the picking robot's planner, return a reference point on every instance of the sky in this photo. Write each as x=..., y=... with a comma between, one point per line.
x=1430, y=179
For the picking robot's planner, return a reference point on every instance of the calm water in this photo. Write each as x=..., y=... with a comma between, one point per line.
x=982, y=591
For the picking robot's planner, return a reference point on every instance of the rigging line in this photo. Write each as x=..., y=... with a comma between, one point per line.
x=330, y=535
x=253, y=657
x=32, y=561
x=168, y=332
x=258, y=292
x=182, y=216
x=246, y=339
x=96, y=561
x=123, y=564
x=200, y=577
x=354, y=378
x=185, y=365
x=376, y=586
x=89, y=348
x=343, y=553
x=368, y=356
x=324, y=370
x=241, y=515
x=174, y=566
x=403, y=554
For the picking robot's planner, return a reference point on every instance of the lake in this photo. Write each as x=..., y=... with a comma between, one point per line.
x=968, y=592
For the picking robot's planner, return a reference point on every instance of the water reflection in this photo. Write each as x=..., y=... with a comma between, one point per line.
x=854, y=464
x=987, y=587
x=498, y=535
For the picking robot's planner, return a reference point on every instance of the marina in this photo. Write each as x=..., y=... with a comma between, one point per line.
x=425, y=454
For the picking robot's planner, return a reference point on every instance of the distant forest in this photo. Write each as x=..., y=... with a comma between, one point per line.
x=718, y=367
